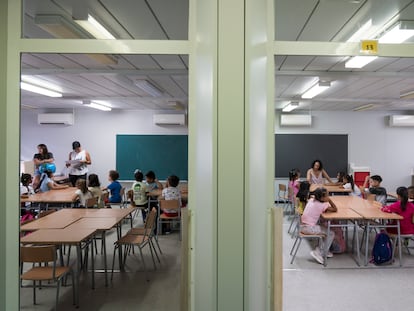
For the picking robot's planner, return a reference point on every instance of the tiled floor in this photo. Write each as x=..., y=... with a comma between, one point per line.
x=342, y=285
x=129, y=290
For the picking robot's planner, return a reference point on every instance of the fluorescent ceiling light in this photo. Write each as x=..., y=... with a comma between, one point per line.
x=39, y=90
x=364, y=107
x=92, y=26
x=316, y=89
x=59, y=27
x=359, y=61
x=398, y=33
x=98, y=105
x=407, y=95
x=41, y=83
x=361, y=32
x=149, y=88
x=291, y=106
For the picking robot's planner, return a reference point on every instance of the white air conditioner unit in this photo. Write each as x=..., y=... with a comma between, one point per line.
x=169, y=119
x=295, y=120
x=407, y=120
x=55, y=118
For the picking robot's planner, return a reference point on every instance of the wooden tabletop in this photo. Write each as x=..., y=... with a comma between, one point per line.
x=58, y=236
x=330, y=189
x=365, y=208
x=376, y=213
x=51, y=221
x=101, y=223
x=347, y=201
x=345, y=213
x=64, y=195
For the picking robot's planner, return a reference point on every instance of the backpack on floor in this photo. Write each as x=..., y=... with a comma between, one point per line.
x=382, y=250
x=338, y=244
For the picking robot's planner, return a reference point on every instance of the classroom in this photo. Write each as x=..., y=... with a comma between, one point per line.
x=233, y=117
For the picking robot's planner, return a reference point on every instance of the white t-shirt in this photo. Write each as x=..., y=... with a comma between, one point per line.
x=356, y=192
x=83, y=196
x=78, y=168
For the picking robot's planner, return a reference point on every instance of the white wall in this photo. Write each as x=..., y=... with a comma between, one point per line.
x=388, y=151
x=95, y=130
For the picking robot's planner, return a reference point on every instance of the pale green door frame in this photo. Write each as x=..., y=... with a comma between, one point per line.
x=232, y=146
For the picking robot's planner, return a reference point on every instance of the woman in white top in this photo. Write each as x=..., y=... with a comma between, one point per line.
x=316, y=174
x=349, y=184
x=78, y=163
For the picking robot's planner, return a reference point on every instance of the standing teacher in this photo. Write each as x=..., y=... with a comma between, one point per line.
x=79, y=160
x=316, y=174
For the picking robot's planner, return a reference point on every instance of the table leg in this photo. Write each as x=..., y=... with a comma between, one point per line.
x=366, y=244
x=399, y=242
x=356, y=238
x=92, y=263
x=105, y=263
x=78, y=269
x=326, y=247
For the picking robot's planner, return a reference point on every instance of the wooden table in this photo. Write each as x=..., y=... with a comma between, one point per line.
x=52, y=196
x=330, y=189
x=66, y=236
x=52, y=221
x=349, y=206
x=378, y=219
x=341, y=219
x=101, y=225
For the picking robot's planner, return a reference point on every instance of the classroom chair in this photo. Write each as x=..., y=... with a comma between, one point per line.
x=283, y=197
x=131, y=240
x=171, y=205
x=299, y=236
x=38, y=273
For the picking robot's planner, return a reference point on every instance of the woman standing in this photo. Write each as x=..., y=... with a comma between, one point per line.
x=79, y=160
x=41, y=158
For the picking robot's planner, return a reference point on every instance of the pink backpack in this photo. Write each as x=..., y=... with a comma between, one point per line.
x=338, y=245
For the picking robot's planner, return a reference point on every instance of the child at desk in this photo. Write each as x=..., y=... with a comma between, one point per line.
x=303, y=196
x=374, y=182
x=171, y=192
x=47, y=183
x=349, y=184
x=404, y=208
x=293, y=184
x=140, y=198
x=114, y=187
x=317, y=205
x=94, y=186
x=82, y=193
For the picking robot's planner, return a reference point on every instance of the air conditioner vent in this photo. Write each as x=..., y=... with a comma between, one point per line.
x=55, y=118
x=169, y=119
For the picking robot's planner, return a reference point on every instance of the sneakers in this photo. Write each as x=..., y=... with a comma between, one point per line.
x=329, y=254
x=317, y=255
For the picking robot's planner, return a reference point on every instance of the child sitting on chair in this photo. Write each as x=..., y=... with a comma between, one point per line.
x=114, y=187
x=171, y=192
x=82, y=193
x=374, y=182
x=139, y=198
x=314, y=208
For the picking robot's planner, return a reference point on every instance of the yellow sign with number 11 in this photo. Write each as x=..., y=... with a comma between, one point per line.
x=369, y=47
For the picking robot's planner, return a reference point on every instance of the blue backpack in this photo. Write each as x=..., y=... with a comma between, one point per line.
x=382, y=250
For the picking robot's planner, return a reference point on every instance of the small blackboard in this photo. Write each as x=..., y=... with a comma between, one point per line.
x=299, y=151
x=164, y=154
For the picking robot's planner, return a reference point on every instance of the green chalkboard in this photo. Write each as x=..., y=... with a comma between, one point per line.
x=164, y=154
